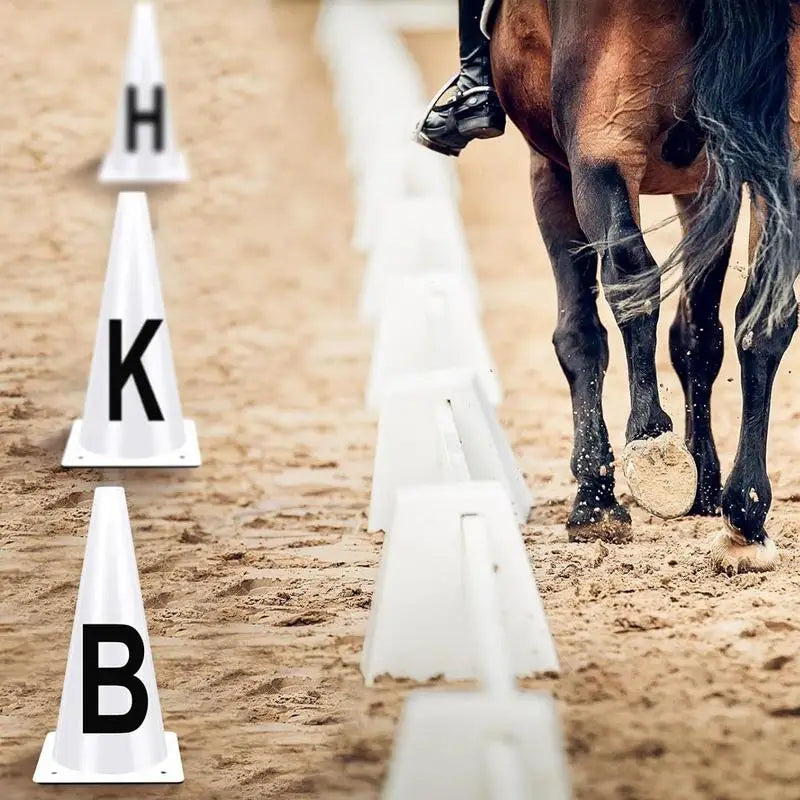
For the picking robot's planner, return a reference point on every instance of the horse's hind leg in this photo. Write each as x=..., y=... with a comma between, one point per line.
x=661, y=473
x=582, y=349
x=747, y=496
x=696, y=347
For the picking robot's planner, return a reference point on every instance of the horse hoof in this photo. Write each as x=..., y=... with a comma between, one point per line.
x=731, y=554
x=606, y=524
x=661, y=475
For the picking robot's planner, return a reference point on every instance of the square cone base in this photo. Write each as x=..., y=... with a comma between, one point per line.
x=166, y=168
x=170, y=770
x=75, y=455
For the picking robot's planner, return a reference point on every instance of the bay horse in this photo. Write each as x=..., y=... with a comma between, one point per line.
x=694, y=98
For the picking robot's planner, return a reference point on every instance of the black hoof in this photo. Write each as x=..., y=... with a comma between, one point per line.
x=588, y=523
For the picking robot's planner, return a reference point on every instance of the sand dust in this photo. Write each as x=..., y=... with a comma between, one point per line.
x=256, y=569
x=661, y=474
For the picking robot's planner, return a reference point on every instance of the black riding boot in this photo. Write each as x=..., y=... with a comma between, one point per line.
x=467, y=107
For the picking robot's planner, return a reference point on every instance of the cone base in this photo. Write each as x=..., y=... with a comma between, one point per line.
x=170, y=770
x=166, y=168
x=75, y=455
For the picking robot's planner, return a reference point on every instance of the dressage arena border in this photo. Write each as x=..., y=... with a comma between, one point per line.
x=349, y=35
x=418, y=419
x=439, y=244
x=429, y=325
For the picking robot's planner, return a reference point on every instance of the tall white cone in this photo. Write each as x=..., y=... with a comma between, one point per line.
x=130, y=433
x=144, y=148
x=109, y=595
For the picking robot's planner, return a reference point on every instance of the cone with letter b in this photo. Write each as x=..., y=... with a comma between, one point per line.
x=144, y=149
x=109, y=727
x=132, y=415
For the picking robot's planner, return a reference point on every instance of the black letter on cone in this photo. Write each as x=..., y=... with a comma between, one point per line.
x=120, y=369
x=134, y=116
x=95, y=676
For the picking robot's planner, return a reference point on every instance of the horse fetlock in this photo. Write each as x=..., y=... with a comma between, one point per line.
x=647, y=422
x=594, y=472
x=745, y=506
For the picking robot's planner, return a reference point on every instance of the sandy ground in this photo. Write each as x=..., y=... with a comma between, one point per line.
x=256, y=569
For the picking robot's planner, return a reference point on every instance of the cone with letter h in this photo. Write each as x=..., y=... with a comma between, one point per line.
x=132, y=415
x=109, y=727
x=144, y=149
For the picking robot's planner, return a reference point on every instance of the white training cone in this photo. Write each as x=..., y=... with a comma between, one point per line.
x=144, y=149
x=416, y=236
x=421, y=624
x=477, y=746
x=429, y=325
x=411, y=436
x=109, y=727
x=132, y=416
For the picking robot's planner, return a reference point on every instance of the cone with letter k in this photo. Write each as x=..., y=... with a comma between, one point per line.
x=109, y=727
x=132, y=415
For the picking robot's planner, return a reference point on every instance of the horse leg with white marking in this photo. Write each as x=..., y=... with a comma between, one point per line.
x=747, y=496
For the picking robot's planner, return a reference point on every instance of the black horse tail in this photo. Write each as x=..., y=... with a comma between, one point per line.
x=741, y=90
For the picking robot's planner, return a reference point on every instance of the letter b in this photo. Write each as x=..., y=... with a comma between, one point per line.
x=95, y=676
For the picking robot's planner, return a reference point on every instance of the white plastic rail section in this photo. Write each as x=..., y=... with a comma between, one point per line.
x=503, y=767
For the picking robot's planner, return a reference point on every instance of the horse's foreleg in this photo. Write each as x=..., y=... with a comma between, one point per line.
x=747, y=496
x=581, y=346
x=606, y=214
x=660, y=471
x=696, y=348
